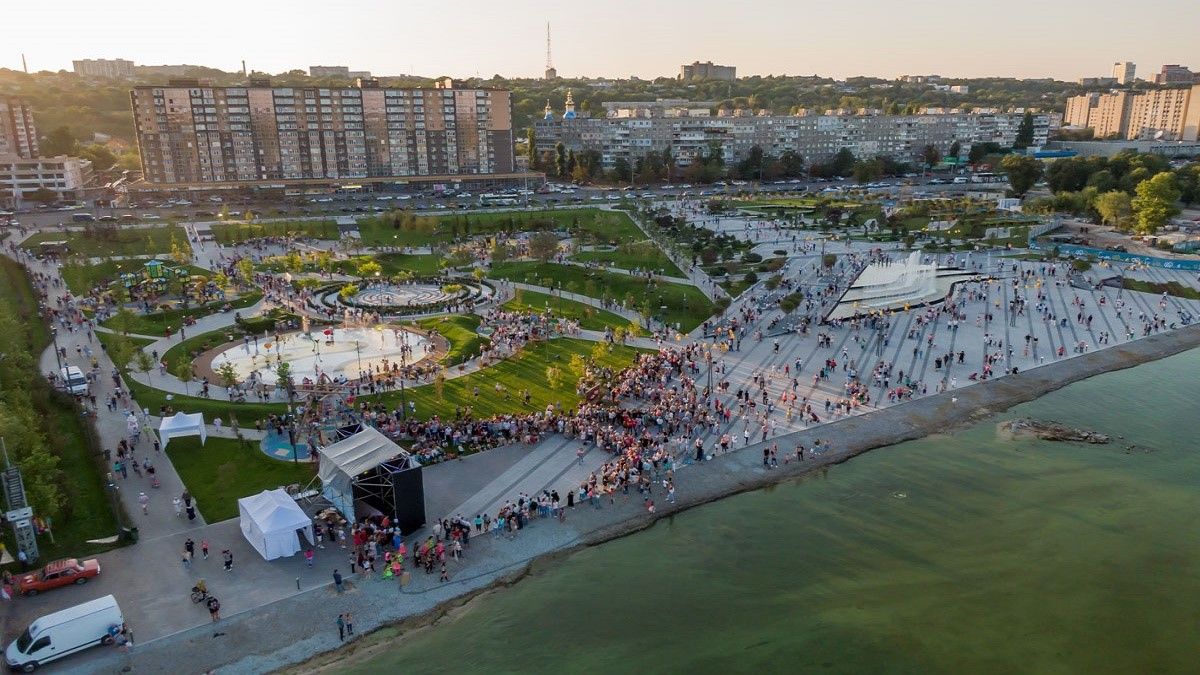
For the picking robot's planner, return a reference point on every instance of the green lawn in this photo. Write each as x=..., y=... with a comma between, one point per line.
x=685, y=304
x=83, y=278
x=88, y=512
x=157, y=322
x=224, y=470
x=459, y=331
x=595, y=225
x=527, y=370
x=233, y=232
x=126, y=241
x=420, y=265
x=639, y=255
x=589, y=318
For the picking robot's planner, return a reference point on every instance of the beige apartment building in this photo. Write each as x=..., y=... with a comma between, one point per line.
x=193, y=133
x=18, y=135
x=1165, y=114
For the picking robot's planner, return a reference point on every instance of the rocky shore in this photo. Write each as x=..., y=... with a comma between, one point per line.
x=299, y=633
x=1048, y=430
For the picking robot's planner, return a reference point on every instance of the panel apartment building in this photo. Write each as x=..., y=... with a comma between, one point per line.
x=1163, y=114
x=22, y=171
x=193, y=134
x=631, y=130
x=18, y=135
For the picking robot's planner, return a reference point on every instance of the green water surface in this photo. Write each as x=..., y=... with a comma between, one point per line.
x=954, y=554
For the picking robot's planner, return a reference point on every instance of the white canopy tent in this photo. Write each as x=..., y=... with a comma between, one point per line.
x=271, y=522
x=345, y=460
x=182, y=424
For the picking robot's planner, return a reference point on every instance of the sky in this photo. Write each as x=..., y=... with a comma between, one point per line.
x=1065, y=39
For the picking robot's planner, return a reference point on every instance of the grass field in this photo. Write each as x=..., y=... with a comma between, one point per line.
x=232, y=233
x=459, y=331
x=157, y=322
x=420, y=265
x=596, y=225
x=639, y=255
x=527, y=370
x=224, y=470
x=88, y=513
x=589, y=318
x=686, y=305
x=83, y=278
x=126, y=241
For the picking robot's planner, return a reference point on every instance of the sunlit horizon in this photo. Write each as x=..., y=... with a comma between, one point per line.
x=471, y=38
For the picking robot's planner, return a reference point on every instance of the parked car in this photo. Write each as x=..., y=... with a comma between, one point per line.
x=58, y=573
x=53, y=636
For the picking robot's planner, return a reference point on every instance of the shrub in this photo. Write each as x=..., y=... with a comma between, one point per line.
x=752, y=257
x=750, y=278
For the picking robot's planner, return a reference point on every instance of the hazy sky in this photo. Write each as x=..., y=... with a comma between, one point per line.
x=1025, y=38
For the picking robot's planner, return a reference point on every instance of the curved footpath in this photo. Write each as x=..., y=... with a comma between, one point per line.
x=290, y=631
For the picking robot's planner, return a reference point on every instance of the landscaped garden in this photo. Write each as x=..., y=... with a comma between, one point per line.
x=589, y=318
x=82, y=278
x=234, y=232
x=157, y=323
x=460, y=331
x=589, y=225
x=684, y=304
x=529, y=370
x=97, y=242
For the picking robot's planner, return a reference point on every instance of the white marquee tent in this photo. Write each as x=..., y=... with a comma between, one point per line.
x=345, y=460
x=271, y=521
x=182, y=424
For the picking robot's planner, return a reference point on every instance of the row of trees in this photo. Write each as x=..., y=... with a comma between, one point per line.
x=1130, y=191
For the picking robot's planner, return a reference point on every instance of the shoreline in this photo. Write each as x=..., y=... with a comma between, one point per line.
x=297, y=647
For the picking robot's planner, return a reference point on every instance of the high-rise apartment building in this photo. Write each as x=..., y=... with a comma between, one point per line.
x=707, y=71
x=191, y=133
x=1124, y=72
x=1164, y=114
x=18, y=135
x=113, y=69
x=1176, y=74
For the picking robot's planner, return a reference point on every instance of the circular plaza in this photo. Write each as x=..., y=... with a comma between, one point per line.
x=325, y=355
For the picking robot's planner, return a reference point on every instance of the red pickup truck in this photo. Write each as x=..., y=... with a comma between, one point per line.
x=58, y=573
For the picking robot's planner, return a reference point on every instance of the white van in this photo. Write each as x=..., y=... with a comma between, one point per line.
x=64, y=633
x=74, y=380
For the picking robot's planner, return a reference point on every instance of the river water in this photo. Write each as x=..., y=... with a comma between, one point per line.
x=965, y=553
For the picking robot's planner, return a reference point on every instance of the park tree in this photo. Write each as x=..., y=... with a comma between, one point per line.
x=59, y=141
x=531, y=148
x=142, y=362
x=185, y=371
x=1114, y=208
x=792, y=163
x=560, y=160
x=554, y=376
x=931, y=155
x=543, y=245
x=367, y=268
x=228, y=375
x=42, y=196
x=439, y=384
x=1155, y=202
x=955, y=148
x=500, y=251
x=180, y=253
x=245, y=270
x=1023, y=172
x=1024, y=132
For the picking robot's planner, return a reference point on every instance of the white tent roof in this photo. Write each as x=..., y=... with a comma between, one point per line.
x=269, y=521
x=182, y=424
x=358, y=453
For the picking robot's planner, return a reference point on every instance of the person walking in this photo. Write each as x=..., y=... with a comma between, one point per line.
x=204, y=548
x=349, y=625
x=341, y=624
x=228, y=557
x=214, y=609
x=337, y=581
x=144, y=501
x=308, y=557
